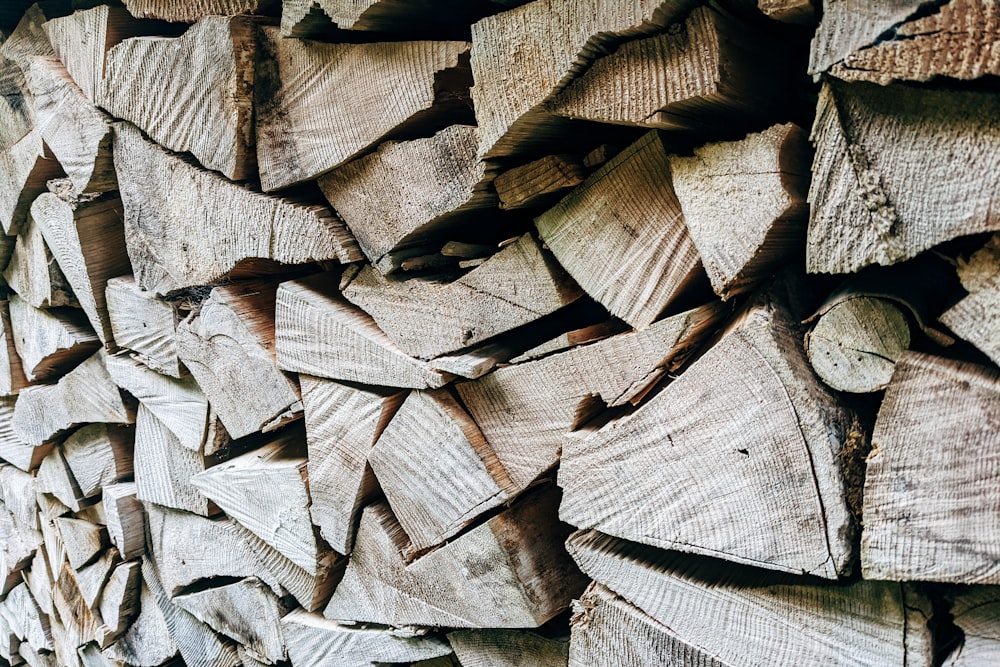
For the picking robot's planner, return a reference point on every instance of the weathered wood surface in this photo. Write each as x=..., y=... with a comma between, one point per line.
x=976, y=611
x=306, y=126
x=218, y=228
x=148, y=640
x=164, y=467
x=884, y=185
x=975, y=318
x=126, y=524
x=54, y=477
x=929, y=504
x=800, y=12
x=537, y=182
x=82, y=539
x=190, y=12
x=145, y=325
x=507, y=648
x=33, y=272
x=49, y=342
x=851, y=25
x=302, y=18
x=12, y=375
x=25, y=618
x=621, y=234
x=98, y=455
x=25, y=168
x=119, y=602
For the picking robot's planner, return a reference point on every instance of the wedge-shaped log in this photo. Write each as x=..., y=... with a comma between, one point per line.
x=229, y=349
x=148, y=83
x=119, y=601
x=319, y=333
x=621, y=234
x=934, y=435
x=306, y=126
x=508, y=648
x=342, y=425
x=849, y=26
x=50, y=342
x=55, y=477
x=34, y=273
x=871, y=203
x=12, y=374
x=190, y=12
x=525, y=409
x=88, y=241
x=222, y=229
x=538, y=181
x=9, y=643
x=84, y=395
x=427, y=318
x=126, y=524
x=25, y=619
x=99, y=454
x=13, y=449
x=511, y=571
x=164, y=467
x=300, y=18
x=976, y=317
x=865, y=623
x=976, y=611
x=92, y=578
x=83, y=540
x=17, y=115
x=410, y=192
x=144, y=324
x=744, y=204
x=148, y=640
x=25, y=168
x=16, y=550
x=801, y=12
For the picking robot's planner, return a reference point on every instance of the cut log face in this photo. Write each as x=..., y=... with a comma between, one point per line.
x=535, y=183
x=744, y=204
x=82, y=539
x=220, y=229
x=508, y=648
x=621, y=235
x=525, y=409
x=426, y=319
x=148, y=82
x=34, y=273
x=25, y=619
x=976, y=611
x=126, y=525
x=17, y=114
x=473, y=581
x=342, y=425
x=865, y=623
x=935, y=434
x=164, y=467
x=13, y=449
x=848, y=26
x=25, y=168
x=876, y=201
x=975, y=318
x=12, y=375
x=50, y=342
x=190, y=12
x=301, y=18
x=409, y=192
x=148, y=640
x=800, y=12
x=319, y=333
x=306, y=126
x=54, y=477
x=98, y=455
x=119, y=601
x=16, y=550
x=144, y=324
x=229, y=349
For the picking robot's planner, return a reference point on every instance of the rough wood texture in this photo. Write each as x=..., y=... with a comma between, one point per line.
x=865, y=623
x=148, y=640
x=126, y=525
x=12, y=374
x=145, y=325
x=98, y=455
x=342, y=425
x=974, y=318
x=229, y=349
x=854, y=24
x=189, y=12
x=975, y=611
x=17, y=115
x=119, y=602
x=301, y=18
x=306, y=126
x=82, y=539
x=508, y=648
x=164, y=467
x=473, y=581
x=25, y=168
x=427, y=318
x=525, y=409
x=744, y=204
x=535, y=183
x=50, y=342
x=87, y=239
x=34, y=273
x=319, y=333
x=25, y=618
x=789, y=11
x=410, y=192
x=149, y=83
x=13, y=449
x=219, y=229
x=929, y=504
x=54, y=477
x=885, y=186
x=621, y=235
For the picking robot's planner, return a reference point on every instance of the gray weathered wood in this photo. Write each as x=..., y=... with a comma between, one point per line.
x=508, y=648
x=148, y=640
x=82, y=539
x=164, y=467
x=974, y=318
x=126, y=523
x=12, y=371
x=144, y=324
x=539, y=181
x=190, y=12
x=99, y=454
x=975, y=611
x=34, y=273
x=119, y=601
x=25, y=168
x=49, y=342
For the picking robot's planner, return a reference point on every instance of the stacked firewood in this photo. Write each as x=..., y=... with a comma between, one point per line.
x=499, y=333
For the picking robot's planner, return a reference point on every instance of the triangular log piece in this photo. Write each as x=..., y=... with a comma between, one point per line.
x=310, y=637
x=911, y=197
x=229, y=349
x=12, y=375
x=746, y=437
x=17, y=113
x=74, y=623
x=437, y=470
x=16, y=550
x=306, y=126
x=538, y=182
x=865, y=623
x=410, y=192
x=84, y=395
x=18, y=489
x=83, y=540
x=39, y=580
x=956, y=40
x=164, y=467
x=302, y=18
x=930, y=501
x=50, y=342
x=342, y=425
x=25, y=168
x=144, y=324
x=744, y=204
x=34, y=273
x=55, y=477
x=222, y=229
x=92, y=578
x=148, y=83
x=190, y=12
x=525, y=409
x=511, y=571
x=99, y=454
x=976, y=318
x=976, y=612
x=849, y=26
x=148, y=640
x=245, y=611
x=126, y=522
x=622, y=236
x=509, y=648
x=319, y=333
x=9, y=643
x=426, y=318
x=76, y=132
x=119, y=601
x=799, y=12
x=25, y=619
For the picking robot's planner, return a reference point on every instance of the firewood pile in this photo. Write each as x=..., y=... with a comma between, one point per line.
x=500, y=333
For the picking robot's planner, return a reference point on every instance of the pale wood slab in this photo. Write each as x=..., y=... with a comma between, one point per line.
x=854, y=24
x=974, y=318
x=975, y=610
x=148, y=640
x=164, y=467
x=144, y=324
x=507, y=648
x=219, y=228
x=16, y=550
x=25, y=40
x=34, y=273
x=83, y=540
x=49, y=342
x=538, y=181
x=25, y=168
x=54, y=477
x=799, y=12
x=12, y=372
x=306, y=126
x=25, y=619
x=119, y=601
x=99, y=454
x=192, y=11
x=126, y=522
x=300, y=18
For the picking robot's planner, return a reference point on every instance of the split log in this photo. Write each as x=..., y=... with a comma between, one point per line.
x=637, y=260
x=310, y=637
x=119, y=601
x=164, y=467
x=229, y=349
x=510, y=571
x=306, y=126
x=39, y=580
x=16, y=550
x=88, y=241
x=90, y=580
x=799, y=12
x=18, y=489
x=9, y=643
x=975, y=611
x=50, y=342
x=427, y=318
x=864, y=623
x=934, y=435
x=84, y=395
x=509, y=648
x=17, y=115
x=220, y=228
x=525, y=409
x=49, y=508
x=408, y=193
x=911, y=197
x=190, y=12
x=83, y=540
x=148, y=84
x=536, y=183
x=319, y=333
x=301, y=18
x=148, y=640
x=34, y=273
x=126, y=525
x=25, y=619
x=54, y=477
x=144, y=324
x=25, y=168
x=852, y=25
x=744, y=204
x=98, y=455
x=12, y=375
x=974, y=318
